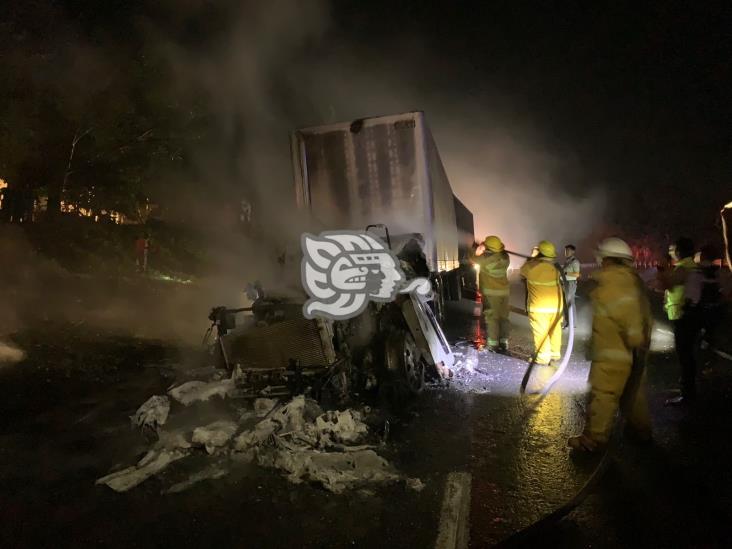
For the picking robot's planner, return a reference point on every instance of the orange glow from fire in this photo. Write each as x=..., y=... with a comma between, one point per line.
x=3, y=185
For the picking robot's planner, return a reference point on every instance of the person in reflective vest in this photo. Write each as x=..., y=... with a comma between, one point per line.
x=494, y=290
x=683, y=287
x=545, y=302
x=621, y=325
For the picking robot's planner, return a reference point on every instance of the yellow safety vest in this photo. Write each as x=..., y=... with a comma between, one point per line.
x=675, y=297
x=544, y=286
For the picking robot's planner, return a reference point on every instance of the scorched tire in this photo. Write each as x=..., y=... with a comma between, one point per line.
x=404, y=364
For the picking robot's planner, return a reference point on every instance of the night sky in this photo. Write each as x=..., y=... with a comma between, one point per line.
x=638, y=92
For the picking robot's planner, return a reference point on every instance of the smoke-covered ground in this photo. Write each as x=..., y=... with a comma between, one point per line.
x=37, y=290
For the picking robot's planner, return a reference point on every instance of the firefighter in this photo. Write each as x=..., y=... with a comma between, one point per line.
x=571, y=272
x=621, y=325
x=544, y=302
x=683, y=287
x=493, y=282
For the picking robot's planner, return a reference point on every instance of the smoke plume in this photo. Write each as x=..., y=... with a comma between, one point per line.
x=282, y=65
x=253, y=71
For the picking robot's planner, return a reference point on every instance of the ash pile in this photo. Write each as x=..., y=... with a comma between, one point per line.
x=271, y=371
x=335, y=449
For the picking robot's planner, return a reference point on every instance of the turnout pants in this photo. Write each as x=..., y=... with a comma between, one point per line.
x=495, y=313
x=607, y=382
x=547, y=335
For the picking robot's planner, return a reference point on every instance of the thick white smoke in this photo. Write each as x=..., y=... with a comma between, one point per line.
x=266, y=69
x=277, y=67
x=514, y=190
x=244, y=78
x=10, y=354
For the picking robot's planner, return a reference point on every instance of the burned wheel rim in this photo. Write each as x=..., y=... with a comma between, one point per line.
x=405, y=363
x=413, y=368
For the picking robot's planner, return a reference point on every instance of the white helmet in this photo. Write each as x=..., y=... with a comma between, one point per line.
x=614, y=247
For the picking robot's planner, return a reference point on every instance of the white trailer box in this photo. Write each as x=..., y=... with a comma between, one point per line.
x=379, y=170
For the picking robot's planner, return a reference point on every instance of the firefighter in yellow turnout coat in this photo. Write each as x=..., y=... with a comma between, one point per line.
x=621, y=323
x=544, y=303
x=494, y=290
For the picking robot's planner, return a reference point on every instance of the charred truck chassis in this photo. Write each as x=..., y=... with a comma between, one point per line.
x=274, y=351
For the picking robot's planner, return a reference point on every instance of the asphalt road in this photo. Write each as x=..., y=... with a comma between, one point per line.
x=65, y=423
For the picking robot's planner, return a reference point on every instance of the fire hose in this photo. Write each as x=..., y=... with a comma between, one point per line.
x=640, y=359
x=570, y=341
x=626, y=402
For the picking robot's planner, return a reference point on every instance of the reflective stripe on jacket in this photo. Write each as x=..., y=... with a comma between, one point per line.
x=543, y=285
x=621, y=320
x=493, y=276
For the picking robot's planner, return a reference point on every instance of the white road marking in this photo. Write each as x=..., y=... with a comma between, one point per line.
x=454, y=529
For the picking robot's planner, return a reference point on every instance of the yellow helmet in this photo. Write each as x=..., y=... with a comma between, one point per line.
x=547, y=249
x=493, y=244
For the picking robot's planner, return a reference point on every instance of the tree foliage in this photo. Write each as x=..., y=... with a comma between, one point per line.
x=86, y=116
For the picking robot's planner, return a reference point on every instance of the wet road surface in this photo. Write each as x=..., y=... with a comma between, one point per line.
x=66, y=423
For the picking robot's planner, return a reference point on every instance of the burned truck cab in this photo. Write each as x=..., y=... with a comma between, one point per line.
x=378, y=173
x=271, y=349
